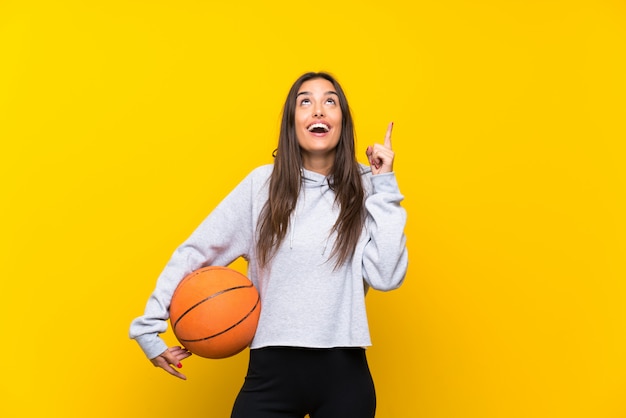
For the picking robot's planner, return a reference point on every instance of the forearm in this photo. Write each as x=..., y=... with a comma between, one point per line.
x=385, y=257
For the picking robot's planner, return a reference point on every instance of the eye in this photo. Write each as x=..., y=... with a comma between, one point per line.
x=305, y=101
x=331, y=101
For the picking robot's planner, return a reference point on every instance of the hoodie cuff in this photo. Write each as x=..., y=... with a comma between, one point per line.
x=385, y=183
x=152, y=345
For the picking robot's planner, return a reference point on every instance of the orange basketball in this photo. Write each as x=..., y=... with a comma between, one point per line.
x=214, y=312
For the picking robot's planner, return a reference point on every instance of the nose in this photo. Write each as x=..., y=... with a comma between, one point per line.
x=318, y=112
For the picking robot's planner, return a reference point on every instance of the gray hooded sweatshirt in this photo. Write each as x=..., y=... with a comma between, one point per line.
x=306, y=301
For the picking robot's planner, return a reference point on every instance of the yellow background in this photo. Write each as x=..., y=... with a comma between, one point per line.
x=123, y=122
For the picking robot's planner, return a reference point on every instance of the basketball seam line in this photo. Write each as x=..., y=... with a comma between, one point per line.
x=227, y=329
x=214, y=295
x=211, y=297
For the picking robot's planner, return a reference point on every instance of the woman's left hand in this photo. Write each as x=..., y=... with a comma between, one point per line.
x=381, y=156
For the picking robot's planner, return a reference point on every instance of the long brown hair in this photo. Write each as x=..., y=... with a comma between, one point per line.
x=286, y=181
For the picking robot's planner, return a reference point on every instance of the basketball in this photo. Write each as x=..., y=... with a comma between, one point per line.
x=214, y=312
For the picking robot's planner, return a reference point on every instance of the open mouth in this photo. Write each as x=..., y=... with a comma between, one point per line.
x=318, y=128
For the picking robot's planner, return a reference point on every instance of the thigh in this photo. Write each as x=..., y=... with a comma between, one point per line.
x=270, y=389
x=348, y=387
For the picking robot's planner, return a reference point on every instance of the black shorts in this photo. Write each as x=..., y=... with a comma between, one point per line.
x=290, y=382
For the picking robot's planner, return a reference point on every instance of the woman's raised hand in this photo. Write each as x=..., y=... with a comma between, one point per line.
x=381, y=156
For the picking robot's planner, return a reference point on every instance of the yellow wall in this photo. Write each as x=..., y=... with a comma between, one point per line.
x=123, y=122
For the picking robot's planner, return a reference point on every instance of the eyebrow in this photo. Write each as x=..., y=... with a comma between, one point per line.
x=309, y=93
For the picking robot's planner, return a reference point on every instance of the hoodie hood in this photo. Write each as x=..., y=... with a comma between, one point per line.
x=312, y=179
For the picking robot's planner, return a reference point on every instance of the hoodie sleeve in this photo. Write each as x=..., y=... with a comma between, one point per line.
x=385, y=257
x=222, y=237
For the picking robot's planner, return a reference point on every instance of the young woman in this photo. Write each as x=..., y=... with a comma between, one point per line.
x=318, y=229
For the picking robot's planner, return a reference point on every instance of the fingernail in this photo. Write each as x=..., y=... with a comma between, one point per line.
x=179, y=365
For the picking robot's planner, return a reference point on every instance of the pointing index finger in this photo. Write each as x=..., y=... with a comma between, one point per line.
x=387, y=142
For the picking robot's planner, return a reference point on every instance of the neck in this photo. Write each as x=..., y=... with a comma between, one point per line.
x=321, y=168
x=318, y=164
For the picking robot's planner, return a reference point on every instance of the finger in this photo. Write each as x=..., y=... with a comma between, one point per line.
x=174, y=372
x=169, y=357
x=174, y=355
x=165, y=364
x=369, y=152
x=387, y=141
x=179, y=352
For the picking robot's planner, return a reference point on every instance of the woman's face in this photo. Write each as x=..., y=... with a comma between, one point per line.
x=318, y=121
